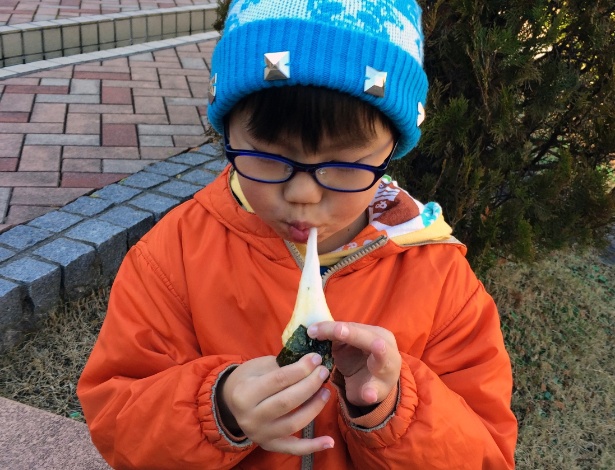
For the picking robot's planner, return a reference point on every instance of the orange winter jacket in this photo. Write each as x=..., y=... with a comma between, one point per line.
x=211, y=286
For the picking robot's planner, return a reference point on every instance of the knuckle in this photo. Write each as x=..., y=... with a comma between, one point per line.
x=280, y=377
x=284, y=404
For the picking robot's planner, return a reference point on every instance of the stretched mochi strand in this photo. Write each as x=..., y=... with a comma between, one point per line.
x=311, y=306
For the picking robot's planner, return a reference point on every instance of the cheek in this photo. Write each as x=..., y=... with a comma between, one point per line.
x=261, y=197
x=345, y=208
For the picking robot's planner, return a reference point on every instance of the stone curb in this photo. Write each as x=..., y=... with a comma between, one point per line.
x=64, y=254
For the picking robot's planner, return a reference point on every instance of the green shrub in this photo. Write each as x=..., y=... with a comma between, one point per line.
x=520, y=127
x=221, y=11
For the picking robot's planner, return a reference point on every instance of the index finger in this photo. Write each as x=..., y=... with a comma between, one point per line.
x=353, y=334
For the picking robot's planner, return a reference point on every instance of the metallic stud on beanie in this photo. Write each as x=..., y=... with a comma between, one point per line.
x=277, y=65
x=421, y=115
x=375, y=82
x=211, y=94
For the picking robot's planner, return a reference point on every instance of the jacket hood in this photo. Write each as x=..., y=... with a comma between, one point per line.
x=392, y=213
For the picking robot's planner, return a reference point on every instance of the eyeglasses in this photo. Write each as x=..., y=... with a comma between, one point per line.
x=337, y=176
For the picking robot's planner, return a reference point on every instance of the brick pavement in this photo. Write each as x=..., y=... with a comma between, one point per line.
x=67, y=131
x=25, y=11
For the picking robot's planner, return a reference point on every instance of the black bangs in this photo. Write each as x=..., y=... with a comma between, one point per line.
x=311, y=114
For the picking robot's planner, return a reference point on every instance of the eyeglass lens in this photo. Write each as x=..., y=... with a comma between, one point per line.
x=274, y=171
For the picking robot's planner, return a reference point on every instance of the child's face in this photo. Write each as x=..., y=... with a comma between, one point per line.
x=292, y=207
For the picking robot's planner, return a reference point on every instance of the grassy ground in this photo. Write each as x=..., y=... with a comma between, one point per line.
x=558, y=318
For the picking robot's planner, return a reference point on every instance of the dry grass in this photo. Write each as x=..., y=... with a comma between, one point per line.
x=44, y=369
x=558, y=317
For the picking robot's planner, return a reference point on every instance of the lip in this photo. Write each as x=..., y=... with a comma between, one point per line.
x=299, y=231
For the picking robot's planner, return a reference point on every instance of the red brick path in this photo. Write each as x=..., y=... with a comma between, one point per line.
x=70, y=130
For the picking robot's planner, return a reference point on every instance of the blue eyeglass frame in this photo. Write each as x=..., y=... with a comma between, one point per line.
x=310, y=168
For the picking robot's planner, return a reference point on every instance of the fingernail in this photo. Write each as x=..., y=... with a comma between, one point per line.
x=312, y=330
x=324, y=373
x=316, y=359
x=328, y=445
x=344, y=331
x=325, y=394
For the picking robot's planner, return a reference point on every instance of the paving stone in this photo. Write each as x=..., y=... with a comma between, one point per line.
x=116, y=95
x=16, y=102
x=124, y=166
x=135, y=119
x=89, y=165
x=40, y=158
x=156, y=141
x=109, y=240
x=116, y=193
x=159, y=153
x=119, y=135
x=188, y=141
x=42, y=282
x=55, y=81
x=48, y=112
x=144, y=180
x=11, y=295
x=149, y=105
x=199, y=177
x=22, y=237
x=45, y=128
x=10, y=301
x=46, y=196
x=87, y=206
x=184, y=101
x=167, y=169
x=10, y=145
x=5, y=254
x=5, y=199
x=19, y=214
x=70, y=99
x=55, y=221
x=152, y=129
x=193, y=63
x=157, y=205
x=14, y=117
x=190, y=158
x=216, y=165
x=101, y=152
x=101, y=75
x=178, y=189
x=10, y=164
x=101, y=108
x=62, y=139
x=85, y=87
x=83, y=123
x=184, y=115
x=90, y=180
x=136, y=222
x=77, y=261
x=212, y=150
x=28, y=89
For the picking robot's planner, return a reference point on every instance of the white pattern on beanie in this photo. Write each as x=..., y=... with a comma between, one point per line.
x=402, y=28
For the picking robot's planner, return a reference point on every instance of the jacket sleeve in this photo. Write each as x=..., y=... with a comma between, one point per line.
x=453, y=407
x=146, y=391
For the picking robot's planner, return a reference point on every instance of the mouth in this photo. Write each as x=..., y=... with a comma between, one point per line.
x=299, y=231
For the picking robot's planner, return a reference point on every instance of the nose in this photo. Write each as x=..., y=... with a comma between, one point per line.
x=302, y=188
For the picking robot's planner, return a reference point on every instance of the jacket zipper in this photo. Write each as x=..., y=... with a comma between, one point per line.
x=307, y=461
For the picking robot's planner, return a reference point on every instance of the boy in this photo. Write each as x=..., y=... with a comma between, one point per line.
x=313, y=98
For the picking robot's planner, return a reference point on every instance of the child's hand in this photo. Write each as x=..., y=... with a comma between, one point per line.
x=367, y=357
x=269, y=403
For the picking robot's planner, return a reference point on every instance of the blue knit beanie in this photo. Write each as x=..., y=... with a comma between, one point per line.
x=370, y=49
